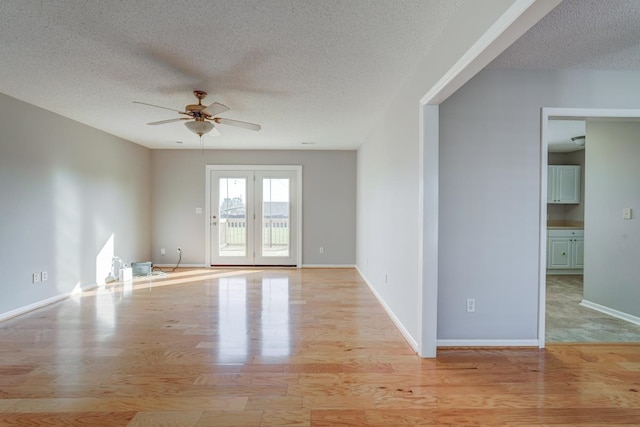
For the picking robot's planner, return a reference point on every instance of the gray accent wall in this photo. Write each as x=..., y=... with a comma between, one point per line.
x=612, y=251
x=328, y=201
x=490, y=193
x=71, y=197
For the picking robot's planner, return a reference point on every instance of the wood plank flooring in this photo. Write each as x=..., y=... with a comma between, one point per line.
x=285, y=347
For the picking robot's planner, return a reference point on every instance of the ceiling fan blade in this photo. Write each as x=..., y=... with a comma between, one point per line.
x=158, y=106
x=237, y=123
x=161, y=122
x=214, y=132
x=215, y=109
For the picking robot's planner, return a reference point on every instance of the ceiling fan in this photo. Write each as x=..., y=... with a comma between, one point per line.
x=201, y=118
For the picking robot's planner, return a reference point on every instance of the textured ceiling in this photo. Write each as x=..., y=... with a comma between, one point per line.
x=306, y=70
x=309, y=71
x=580, y=35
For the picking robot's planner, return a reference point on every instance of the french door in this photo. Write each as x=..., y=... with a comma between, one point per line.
x=253, y=216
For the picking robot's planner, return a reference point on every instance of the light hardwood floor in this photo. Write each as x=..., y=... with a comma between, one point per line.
x=284, y=348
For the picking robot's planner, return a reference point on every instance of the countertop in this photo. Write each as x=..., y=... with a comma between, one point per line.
x=565, y=225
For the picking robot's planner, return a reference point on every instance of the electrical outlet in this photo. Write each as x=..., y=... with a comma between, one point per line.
x=321, y=249
x=179, y=250
x=44, y=276
x=36, y=277
x=163, y=251
x=471, y=305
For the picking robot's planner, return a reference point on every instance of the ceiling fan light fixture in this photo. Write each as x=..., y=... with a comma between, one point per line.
x=199, y=127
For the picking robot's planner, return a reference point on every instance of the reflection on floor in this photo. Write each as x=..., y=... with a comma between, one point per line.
x=284, y=347
x=568, y=321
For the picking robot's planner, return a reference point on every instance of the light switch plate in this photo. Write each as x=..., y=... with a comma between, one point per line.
x=626, y=213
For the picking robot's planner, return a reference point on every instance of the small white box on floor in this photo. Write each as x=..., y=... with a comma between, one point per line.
x=125, y=274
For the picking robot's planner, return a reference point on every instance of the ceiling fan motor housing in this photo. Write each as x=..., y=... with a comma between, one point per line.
x=196, y=109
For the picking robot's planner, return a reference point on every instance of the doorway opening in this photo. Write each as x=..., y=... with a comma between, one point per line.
x=567, y=251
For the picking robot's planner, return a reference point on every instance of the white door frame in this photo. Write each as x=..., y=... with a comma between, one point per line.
x=518, y=18
x=296, y=168
x=568, y=114
x=428, y=213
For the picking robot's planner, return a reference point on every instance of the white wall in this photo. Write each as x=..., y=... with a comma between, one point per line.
x=328, y=201
x=71, y=197
x=612, y=244
x=490, y=193
x=389, y=178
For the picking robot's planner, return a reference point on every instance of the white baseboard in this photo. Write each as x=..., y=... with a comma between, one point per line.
x=328, y=266
x=45, y=302
x=85, y=288
x=412, y=342
x=487, y=343
x=611, y=312
x=241, y=266
x=22, y=310
x=181, y=265
x=260, y=266
x=27, y=308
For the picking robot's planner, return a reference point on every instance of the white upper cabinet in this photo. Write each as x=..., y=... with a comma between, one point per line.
x=563, y=184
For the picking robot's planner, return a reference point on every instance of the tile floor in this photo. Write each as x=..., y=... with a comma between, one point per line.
x=568, y=321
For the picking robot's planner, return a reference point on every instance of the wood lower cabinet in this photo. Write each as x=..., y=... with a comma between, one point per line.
x=565, y=249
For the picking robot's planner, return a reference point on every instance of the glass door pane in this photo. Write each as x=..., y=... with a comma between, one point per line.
x=275, y=217
x=276, y=212
x=232, y=229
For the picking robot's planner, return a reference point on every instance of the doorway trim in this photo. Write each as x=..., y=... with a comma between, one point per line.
x=296, y=168
x=517, y=19
x=569, y=114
